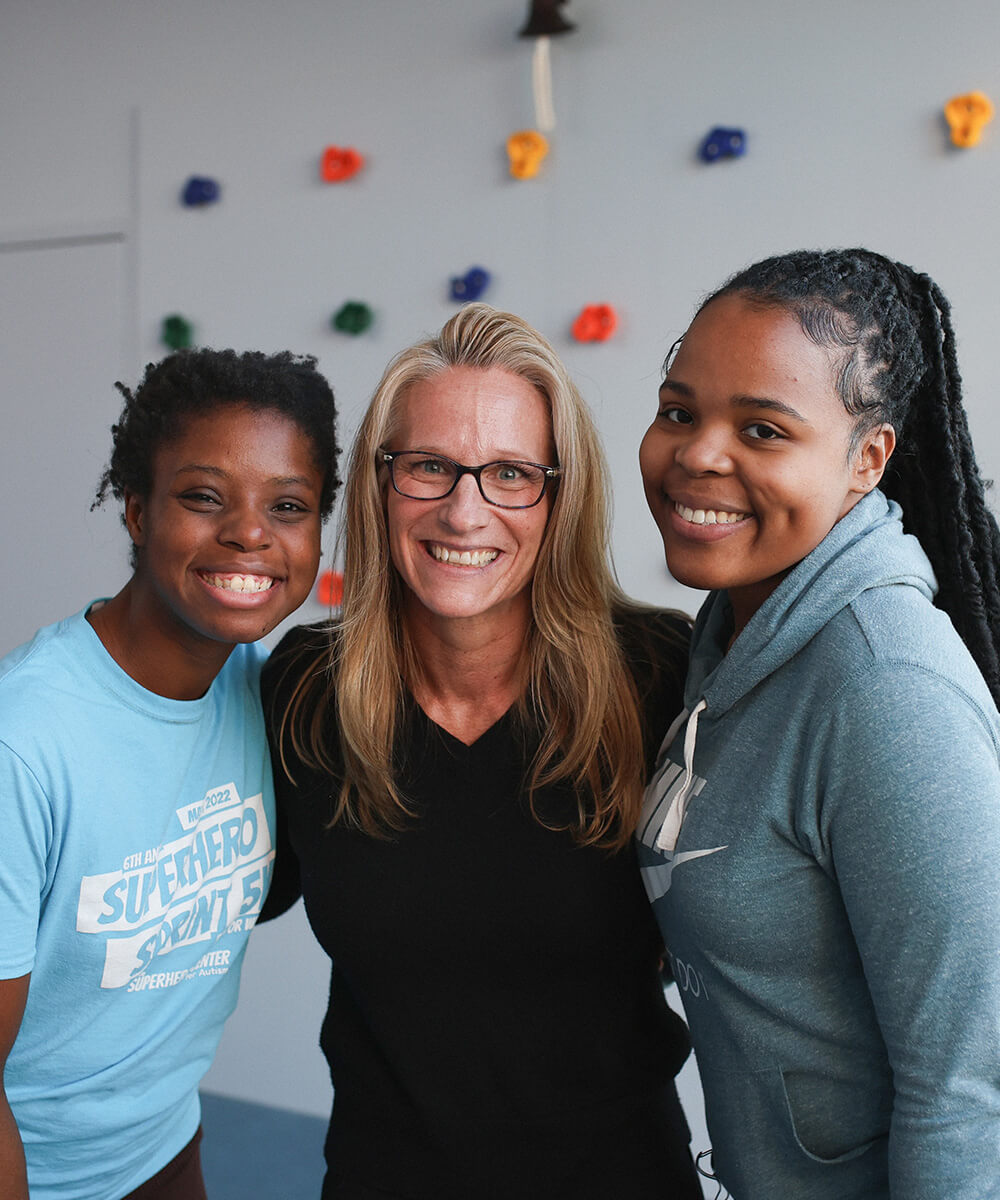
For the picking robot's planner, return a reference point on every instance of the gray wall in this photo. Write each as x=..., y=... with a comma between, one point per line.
x=109, y=105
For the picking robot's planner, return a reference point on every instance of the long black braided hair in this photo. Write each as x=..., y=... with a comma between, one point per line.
x=892, y=327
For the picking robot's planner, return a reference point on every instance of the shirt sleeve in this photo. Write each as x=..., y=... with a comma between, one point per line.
x=910, y=821
x=286, y=886
x=26, y=821
x=277, y=679
x=655, y=647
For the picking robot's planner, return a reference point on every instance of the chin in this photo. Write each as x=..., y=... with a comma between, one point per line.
x=692, y=577
x=249, y=628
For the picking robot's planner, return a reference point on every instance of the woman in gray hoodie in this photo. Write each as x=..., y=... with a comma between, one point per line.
x=821, y=841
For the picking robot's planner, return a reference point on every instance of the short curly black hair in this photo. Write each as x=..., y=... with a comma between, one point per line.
x=192, y=382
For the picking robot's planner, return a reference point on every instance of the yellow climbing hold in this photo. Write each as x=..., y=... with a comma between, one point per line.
x=526, y=149
x=968, y=116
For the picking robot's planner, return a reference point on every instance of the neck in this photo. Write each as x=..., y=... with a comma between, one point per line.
x=169, y=661
x=471, y=671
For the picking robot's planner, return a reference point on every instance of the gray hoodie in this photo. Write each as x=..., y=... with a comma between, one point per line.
x=821, y=844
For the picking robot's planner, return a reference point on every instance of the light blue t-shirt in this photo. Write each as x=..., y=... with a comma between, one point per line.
x=136, y=847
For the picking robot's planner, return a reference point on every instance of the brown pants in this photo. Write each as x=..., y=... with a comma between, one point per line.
x=180, y=1179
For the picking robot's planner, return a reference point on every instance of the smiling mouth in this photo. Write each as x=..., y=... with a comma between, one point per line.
x=239, y=583
x=461, y=558
x=708, y=516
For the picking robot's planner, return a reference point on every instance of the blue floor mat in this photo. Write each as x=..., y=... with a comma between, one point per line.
x=252, y=1150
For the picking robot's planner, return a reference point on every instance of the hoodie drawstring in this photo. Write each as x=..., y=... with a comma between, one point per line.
x=671, y=828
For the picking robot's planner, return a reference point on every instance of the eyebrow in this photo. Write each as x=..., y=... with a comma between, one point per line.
x=742, y=400
x=206, y=469
x=501, y=456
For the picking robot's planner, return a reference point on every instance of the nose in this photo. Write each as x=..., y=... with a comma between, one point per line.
x=704, y=451
x=243, y=529
x=465, y=509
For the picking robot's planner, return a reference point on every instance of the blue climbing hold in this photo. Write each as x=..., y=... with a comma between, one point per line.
x=722, y=143
x=199, y=191
x=471, y=285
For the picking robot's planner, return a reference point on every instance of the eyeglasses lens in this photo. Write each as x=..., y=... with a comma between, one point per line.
x=507, y=484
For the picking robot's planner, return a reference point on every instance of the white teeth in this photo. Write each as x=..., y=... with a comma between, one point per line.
x=463, y=558
x=240, y=583
x=709, y=516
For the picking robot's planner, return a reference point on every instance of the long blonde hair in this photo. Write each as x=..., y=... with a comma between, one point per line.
x=580, y=696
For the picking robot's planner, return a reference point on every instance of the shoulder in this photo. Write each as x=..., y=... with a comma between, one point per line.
x=53, y=665
x=303, y=652
x=897, y=694
x=904, y=760
x=652, y=639
x=654, y=645
x=244, y=666
x=54, y=709
x=892, y=639
x=901, y=621
x=300, y=716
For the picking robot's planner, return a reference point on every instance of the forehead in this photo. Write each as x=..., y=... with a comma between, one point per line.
x=491, y=412
x=234, y=436
x=739, y=346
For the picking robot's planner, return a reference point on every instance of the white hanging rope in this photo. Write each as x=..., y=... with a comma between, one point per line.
x=541, y=82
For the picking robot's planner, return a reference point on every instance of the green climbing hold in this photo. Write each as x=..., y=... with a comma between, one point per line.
x=176, y=333
x=354, y=317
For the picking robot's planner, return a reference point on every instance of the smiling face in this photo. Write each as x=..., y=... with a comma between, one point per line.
x=461, y=559
x=229, y=538
x=748, y=464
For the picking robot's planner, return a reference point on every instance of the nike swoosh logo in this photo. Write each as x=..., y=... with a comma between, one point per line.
x=657, y=879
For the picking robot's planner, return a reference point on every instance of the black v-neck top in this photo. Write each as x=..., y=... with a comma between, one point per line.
x=496, y=1025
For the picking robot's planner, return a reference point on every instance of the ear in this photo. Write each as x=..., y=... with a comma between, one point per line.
x=872, y=457
x=135, y=514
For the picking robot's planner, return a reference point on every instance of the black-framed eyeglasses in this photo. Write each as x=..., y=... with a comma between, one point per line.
x=505, y=484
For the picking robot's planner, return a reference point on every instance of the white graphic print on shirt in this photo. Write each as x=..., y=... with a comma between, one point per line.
x=659, y=795
x=185, y=892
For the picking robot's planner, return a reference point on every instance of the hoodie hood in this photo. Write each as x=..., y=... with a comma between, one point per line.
x=865, y=549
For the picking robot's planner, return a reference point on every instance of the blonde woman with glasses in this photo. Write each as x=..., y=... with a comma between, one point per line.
x=460, y=761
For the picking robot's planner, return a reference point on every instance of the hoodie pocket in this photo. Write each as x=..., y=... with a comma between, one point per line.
x=788, y=1133
x=832, y=1120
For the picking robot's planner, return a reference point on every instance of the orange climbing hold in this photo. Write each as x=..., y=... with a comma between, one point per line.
x=330, y=589
x=526, y=149
x=968, y=116
x=340, y=163
x=596, y=323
